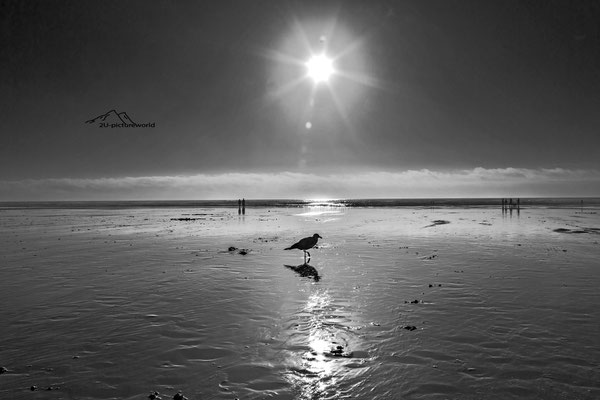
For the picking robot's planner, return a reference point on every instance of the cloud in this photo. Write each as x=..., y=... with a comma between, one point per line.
x=424, y=183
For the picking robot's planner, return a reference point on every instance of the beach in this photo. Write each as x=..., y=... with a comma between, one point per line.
x=412, y=303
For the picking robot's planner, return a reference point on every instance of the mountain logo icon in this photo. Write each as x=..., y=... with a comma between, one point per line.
x=112, y=117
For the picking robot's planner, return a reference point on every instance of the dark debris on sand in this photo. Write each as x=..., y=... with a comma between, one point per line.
x=34, y=388
x=266, y=239
x=154, y=395
x=437, y=222
x=179, y=396
x=338, y=352
x=240, y=251
x=580, y=230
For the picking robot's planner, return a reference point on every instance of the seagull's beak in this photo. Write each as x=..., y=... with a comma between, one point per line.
x=319, y=236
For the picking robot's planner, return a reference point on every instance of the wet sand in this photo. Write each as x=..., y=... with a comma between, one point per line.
x=411, y=303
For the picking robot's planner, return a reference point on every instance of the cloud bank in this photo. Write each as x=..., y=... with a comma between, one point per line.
x=424, y=183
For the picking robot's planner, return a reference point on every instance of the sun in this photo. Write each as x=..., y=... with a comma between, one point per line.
x=319, y=68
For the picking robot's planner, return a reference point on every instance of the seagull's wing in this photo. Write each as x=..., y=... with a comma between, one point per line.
x=307, y=243
x=294, y=246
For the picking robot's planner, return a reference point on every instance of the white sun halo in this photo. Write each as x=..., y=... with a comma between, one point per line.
x=320, y=68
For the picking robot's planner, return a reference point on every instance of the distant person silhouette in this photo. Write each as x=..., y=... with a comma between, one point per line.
x=239, y=206
x=244, y=206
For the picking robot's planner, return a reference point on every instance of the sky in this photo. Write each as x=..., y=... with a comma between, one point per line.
x=495, y=98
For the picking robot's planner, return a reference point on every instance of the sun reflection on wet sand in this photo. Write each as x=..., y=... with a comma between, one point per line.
x=324, y=343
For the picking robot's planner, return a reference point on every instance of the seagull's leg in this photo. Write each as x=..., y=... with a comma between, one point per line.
x=308, y=255
x=304, y=256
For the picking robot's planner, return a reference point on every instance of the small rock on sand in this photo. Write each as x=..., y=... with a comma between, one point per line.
x=339, y=352
x=240, y=251
x=179, y=396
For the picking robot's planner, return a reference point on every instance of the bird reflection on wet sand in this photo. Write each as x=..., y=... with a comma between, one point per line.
x=306, y=271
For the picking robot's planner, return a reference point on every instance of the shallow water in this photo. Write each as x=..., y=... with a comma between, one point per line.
x=115, y=303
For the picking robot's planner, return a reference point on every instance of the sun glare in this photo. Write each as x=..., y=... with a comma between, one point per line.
x=320, y=68
x=318, y=65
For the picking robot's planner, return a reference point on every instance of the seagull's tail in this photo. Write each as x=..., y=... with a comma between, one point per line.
x=289, y=248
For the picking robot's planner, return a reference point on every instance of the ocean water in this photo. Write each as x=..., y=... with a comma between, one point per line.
x=415, y=301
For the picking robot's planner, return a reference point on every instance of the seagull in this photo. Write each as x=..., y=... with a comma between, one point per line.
x=305, y=244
